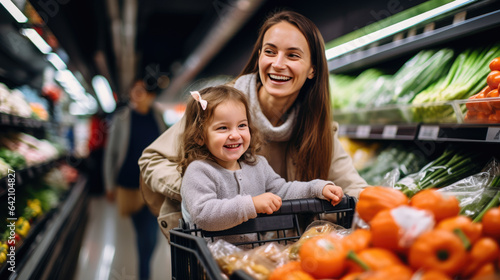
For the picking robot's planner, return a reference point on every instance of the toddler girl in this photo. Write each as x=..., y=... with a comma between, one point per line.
x=225, y=182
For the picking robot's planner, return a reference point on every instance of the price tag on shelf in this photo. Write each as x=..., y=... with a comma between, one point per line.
x=5, y=119
x=398, y=37
x=363, y=131
x=429, y=27
x=412, y=32
x=493, y=134
x=390, y=131
x=428, y=132
x=459, y=17
x=28, y=122
x=16, y=120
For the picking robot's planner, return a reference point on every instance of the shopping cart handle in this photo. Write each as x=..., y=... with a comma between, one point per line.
x=313, y=205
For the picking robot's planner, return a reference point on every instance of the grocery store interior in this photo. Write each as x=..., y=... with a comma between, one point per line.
x=413, y=84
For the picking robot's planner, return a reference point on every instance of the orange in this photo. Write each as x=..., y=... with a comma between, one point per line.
x=323, y=256
x=281, y=271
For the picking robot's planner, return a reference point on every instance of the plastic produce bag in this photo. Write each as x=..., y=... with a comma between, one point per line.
x=412, y=223
x=393, y=162
x=453, y=165
x=475, y=191
x=314, y=229
x=254, y=263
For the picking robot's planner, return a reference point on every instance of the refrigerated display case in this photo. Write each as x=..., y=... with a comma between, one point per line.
x=471, y=25
x=41, y=235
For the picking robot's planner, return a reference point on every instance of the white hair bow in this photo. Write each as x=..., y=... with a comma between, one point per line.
x=197, y=96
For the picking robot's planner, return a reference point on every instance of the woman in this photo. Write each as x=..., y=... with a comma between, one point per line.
x=133, y=128
x=286, y=82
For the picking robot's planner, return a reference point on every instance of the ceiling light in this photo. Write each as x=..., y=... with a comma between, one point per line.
x=56, y=61
x=71, y=85
x=393, y=29
x=77, y=109
x=37, y=40
x=83, y=107
x=14, y=11
x=104, y=93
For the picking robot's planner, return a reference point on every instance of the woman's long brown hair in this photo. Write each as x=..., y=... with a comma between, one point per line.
x=311, y=142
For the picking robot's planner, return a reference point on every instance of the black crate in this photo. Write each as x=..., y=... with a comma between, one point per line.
x=191, y=258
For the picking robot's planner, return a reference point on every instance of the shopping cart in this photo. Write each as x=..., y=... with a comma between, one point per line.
x=191, y=258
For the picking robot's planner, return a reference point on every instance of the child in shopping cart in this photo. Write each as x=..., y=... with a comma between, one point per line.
x=225, y=182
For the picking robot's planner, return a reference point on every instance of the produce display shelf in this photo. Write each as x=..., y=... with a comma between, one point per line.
x=460, y=133
x=53, y=238
x=23, y=247
x=377, y=54
x=25, y=174
x=487, y=133
x=394, y=132
x=8, y=120
x=447, y=112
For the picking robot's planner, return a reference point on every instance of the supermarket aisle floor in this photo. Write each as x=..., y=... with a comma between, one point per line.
x=108, y=248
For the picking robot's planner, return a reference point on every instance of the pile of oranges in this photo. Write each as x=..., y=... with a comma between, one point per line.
x=419, y=238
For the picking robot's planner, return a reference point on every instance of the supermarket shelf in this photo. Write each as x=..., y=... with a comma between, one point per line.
x=49, y=250
x=462, y=133
x=378, y=54
x=487, y=133
x=20, y=62
x=8, y=120
x=22, y=175
x=394, y=132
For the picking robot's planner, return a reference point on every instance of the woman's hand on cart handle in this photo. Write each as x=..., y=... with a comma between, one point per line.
x=266, y=203
x=333, y=194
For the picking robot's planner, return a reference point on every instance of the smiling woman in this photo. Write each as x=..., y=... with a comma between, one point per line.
x=284, y=66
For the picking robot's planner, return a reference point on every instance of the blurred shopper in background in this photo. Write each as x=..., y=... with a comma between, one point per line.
x=286, y=82
x=133, y=128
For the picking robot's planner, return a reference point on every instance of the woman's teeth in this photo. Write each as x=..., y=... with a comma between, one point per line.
x=280, y=78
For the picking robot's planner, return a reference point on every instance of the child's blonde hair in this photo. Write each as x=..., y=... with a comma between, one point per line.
x=197, y=120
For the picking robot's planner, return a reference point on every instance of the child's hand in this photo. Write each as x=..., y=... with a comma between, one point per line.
x=333, y=193
x=266, y=203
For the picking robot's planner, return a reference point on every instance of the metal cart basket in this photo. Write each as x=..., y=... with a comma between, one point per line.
x=191, y=258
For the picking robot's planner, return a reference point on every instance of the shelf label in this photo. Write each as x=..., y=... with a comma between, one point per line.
x=459, y=17
x=15, y=120
x=428, y=132
x=493, y=134
x=363, y=131
x=390, y=131
x=429, y=27
x=398, y=37
x=412, y=32
x=5, y=119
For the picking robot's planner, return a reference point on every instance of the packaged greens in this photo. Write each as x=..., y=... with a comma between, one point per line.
x=453, y=165
x=391, y=163
x=420, y=72
x=477, y=193
x=346, y=90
